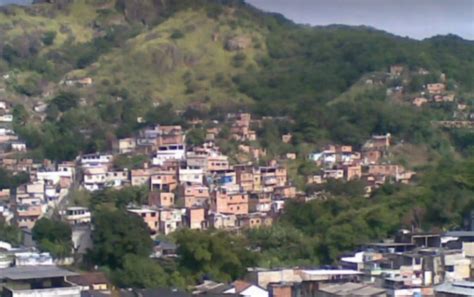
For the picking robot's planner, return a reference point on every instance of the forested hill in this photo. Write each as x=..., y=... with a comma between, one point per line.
x=204, y=54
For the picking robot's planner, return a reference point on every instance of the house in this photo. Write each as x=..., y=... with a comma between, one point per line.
x=248, y=177
x=171, y=219
x=244, y=288
x=350, y=289
x=169, y=152
x=208, y=160
x=26, y=215
x=222, y=221
x=333, y=174
x=139, y=177
x=95, y=178
x=457, y=289
x=126, y=145
x=229, y=203
x=273, y=176
x=436, y=88
x=352, y=172
x=254, y=220
x=6, y=118
x=371, y=156
x=260, y=201
x=286, y=138
x=116, y=179
x=18, y=146
x=396, y=70
x=96, y=160
x=163, y=181
x=195, y=196
x=419, y=101
x=76, y=215
x=161, y=199
x=3, y=105
x=196, y=218
x=163, y=249
x=190, y=175
x=29, y=281
x=378, y=142
x=150, y=216
x=90, y=281
x=284, y=192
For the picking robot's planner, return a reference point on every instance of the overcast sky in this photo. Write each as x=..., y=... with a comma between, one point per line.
x=414, y=18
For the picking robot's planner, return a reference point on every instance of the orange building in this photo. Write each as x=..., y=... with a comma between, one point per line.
x=149, y=216
x=229, y=203
x=195, y=195
x=196, y=218
x=163, y=199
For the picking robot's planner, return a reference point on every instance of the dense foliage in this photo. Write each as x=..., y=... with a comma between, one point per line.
x=53, y=236
x=320, y=231
x=117, y=234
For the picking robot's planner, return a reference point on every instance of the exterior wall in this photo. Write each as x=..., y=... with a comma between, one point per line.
x=58, y=292
x=194, y=176
x=280, y=291
x=164, y=199
x=126, y=145
x=164, y=181
x=197, y=218
x=149, y=216
x=195, y=196
x=389, y=170
x=230, y=203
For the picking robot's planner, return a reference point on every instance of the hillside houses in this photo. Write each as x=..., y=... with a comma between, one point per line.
x=343, y=163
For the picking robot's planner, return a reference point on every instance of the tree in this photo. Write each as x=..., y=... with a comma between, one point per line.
x=10, y=234
x=48, y=38
x=116, y=234
x=195, y=137
x=66, y=100
x=53, y=236
x=140, y=272
x=219, y=255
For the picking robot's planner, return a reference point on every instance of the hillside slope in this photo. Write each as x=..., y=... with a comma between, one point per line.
x=208, y=54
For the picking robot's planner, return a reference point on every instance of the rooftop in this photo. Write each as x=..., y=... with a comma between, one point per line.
x=32, y=272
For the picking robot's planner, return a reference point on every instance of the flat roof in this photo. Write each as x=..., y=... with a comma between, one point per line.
x=34, y=272
x=331, y=272
x=460, y=233
x=388, y=244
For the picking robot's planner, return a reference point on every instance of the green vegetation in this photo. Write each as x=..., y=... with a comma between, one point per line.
x=10, y=234
x=9, y=181
x=54, y=237
x=320, y=231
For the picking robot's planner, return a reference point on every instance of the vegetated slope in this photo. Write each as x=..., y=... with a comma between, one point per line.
x=187, y=58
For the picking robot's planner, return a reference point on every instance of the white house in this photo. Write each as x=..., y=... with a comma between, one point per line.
x=169, y=152
x=116, y=179
x=77, y=215
x=18, y=146
x=246, y=289
x=6, y=118
x=95, y=178
x=54, y=176
x=191, y=175
x=96, y=160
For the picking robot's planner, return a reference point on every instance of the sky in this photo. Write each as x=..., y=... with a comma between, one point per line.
x=413, y=18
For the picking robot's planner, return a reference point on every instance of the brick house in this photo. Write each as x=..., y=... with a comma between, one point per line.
x=161, y=199
x=229, y=203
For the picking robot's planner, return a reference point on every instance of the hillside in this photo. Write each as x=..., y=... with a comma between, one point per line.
x=114, y=61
